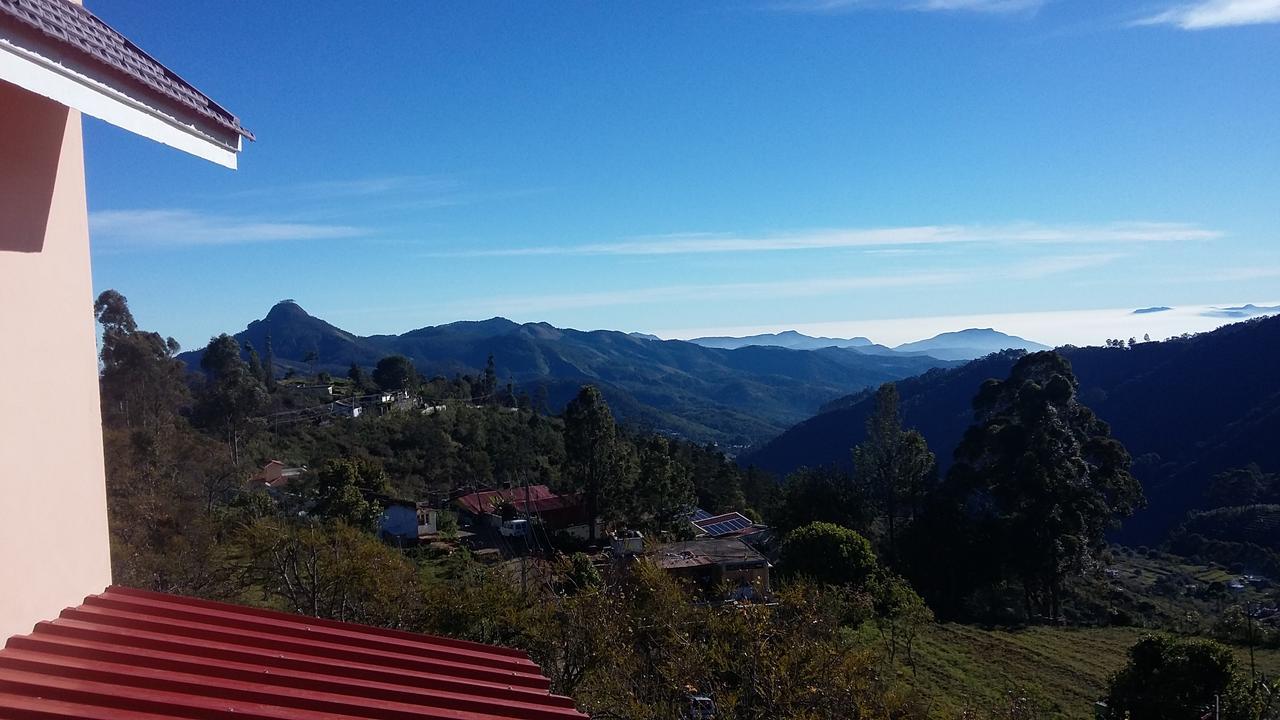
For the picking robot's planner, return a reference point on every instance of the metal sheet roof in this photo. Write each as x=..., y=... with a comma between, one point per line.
x=484, y=501
x=141, y=655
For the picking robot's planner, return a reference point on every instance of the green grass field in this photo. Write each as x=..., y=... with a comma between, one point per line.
x=1061, y=670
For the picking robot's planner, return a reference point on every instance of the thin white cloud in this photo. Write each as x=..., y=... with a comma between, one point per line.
x=388, y=192
x=1207, y=14
x=1058, y=264
x=179, y=228
x=1024, y=233
x=807, y=287
x=810, y=287
x=976, y=6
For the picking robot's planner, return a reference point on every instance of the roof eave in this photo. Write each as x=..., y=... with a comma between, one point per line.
x=39, y=67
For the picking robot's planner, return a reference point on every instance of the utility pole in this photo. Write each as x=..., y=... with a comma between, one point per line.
x=524, y=570
x=1253, y=669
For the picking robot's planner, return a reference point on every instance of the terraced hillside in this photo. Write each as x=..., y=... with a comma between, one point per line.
x=1060, y=672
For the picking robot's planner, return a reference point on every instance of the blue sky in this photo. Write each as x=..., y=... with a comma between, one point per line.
x=899, y=166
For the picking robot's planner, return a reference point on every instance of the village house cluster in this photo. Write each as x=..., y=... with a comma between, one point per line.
x=724, y=557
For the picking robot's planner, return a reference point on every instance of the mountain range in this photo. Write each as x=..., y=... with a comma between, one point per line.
x=736, y=396
x=787, y=339
x=959, y=345
x=1186, y=408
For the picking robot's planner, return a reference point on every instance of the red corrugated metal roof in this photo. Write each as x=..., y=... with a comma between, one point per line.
x=141, y=655
x=482, y=502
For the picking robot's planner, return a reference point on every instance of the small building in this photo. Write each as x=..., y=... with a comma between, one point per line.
x=428, y=520
x=406, y=520
x=556, y=514
x=626, y=543
x=717, y=568
x=399, y=520
x=390, y=401
x=276, y=474
x=482, y=507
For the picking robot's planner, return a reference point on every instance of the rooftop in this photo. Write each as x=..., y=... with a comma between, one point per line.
x=74, y=28
x=138, y=654
x=479, y=503
x=706, y=551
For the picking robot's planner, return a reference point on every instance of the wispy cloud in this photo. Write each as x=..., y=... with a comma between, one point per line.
x=806, y=287
x=977, y=6
x=178, y=228
x=1079, y=327
x=1023, y=233
x=1207, y=14
x=1058, y=264
x=386, y=192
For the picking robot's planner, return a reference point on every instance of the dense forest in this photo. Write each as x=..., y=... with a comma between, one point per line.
x=869, y=555
x=1187, y=409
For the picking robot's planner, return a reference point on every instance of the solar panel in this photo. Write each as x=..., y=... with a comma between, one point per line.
x=725, y=527
x=700, y=514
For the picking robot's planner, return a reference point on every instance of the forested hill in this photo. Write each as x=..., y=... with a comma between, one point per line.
x=1185, y=408
x=737, y=396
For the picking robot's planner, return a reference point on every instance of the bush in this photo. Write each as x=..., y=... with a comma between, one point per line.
x=829, y=554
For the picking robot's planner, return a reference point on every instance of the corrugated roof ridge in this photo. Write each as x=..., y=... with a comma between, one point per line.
x=80, y=632
x=300, y=627
x=376, y=706
x=142, y=658
x=51, y=709
x=320, y=622
x=134, y=621
x=271, y=668
x=160, y=702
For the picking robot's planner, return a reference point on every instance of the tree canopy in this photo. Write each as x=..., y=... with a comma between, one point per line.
x=347, y=490
x=395, y=372
x=1170, y=678
x=894, y=465
x=592, y=452
x=828, y=554
x=1042, y=477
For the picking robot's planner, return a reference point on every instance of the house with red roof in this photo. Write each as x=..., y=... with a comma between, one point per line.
x=555, y=513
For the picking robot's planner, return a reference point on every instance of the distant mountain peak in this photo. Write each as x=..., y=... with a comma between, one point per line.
x=286, y=309
x=969, y=344
x=791, y=339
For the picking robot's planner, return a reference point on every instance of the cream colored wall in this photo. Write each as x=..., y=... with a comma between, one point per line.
x=54, y=547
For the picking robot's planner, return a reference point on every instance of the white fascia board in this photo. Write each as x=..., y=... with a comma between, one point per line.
x=47, y=78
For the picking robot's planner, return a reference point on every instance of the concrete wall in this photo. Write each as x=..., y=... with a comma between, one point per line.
x=54, y=547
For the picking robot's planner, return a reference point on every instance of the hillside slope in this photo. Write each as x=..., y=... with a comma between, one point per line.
x=1186, y=408
x=731, y=396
